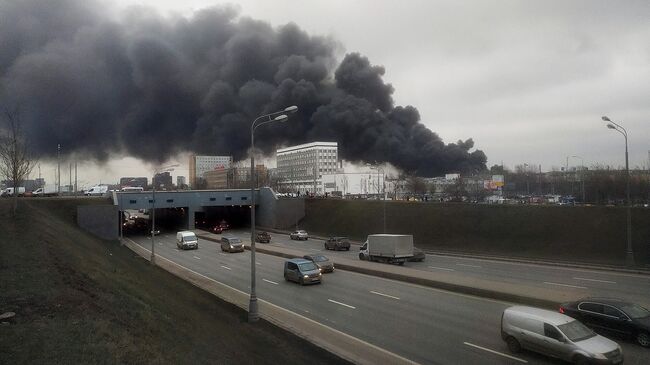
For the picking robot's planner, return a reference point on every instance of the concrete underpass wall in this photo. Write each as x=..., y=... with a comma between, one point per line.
x=584, y=234
x=99, y=220
x=278, y=213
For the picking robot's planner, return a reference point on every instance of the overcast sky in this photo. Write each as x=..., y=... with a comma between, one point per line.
x=527, y=80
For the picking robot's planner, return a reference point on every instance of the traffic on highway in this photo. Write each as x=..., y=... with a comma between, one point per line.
x=423, y=324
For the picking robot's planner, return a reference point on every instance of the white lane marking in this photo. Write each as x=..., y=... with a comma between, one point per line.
x=277, y=307
x=496, y=352
x=567, y=285
x=313, y=249
x=257, y=263
x=597, y=280
x=226, y=267
x=343, y=304
x=272, y=282
x=468, y=265
x=440, y=268
x=196, y=257
x=384, y=295
x=222, y=254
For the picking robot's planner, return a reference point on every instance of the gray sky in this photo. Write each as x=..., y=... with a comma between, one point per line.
x=528, y=81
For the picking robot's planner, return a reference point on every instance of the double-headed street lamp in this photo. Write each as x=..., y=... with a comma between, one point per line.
x=380, y=169
x=153, y=208
x=629, y=254
x=279, y=116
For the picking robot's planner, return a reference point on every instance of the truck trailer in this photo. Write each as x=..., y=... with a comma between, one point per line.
x=388, y=248
x=10, y=191
x=46, y=190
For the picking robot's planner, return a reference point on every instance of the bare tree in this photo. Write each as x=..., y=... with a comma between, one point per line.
x=15, y=161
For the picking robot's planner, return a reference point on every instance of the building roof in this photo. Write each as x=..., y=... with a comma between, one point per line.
x=306, y=146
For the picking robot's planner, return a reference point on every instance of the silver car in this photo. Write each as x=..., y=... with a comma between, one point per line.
x=556, y=335
x=299, y=235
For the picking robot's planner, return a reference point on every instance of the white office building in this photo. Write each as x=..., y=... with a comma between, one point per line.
x=202, y=164
x=301, y=168
x=369, y=184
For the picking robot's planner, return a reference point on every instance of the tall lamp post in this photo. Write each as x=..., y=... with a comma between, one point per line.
x=153, y=208
x=629, y=254
x=279, y=116
x=380, y=169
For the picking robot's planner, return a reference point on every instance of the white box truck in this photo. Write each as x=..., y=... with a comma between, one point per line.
x=46, y=190
x=389, y=248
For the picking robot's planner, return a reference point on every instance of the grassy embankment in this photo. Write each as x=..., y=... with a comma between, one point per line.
x=586, y=234
x=81, y=300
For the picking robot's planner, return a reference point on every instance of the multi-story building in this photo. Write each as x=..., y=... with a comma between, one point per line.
x=217, y=179
x=163, y=180
x=301, y=168
x=200, y=164
x=180, y=182
x=132, y=182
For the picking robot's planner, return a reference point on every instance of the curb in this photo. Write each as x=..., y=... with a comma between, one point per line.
x=457, y=288
x=523, y=260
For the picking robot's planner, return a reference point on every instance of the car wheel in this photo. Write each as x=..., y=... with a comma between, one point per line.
x=643, y=339
x=513, y=345
x=302, y=281
x=347, y=248
x=361, y=257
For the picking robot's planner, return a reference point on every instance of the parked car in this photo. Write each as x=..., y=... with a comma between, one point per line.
x=299, y=235
x=302, y=272
x=322, y=262
x=263, y=237
x=612, y=317
x=155, y=232
x=418, y=255
x=337, y=243
x=554, y=334
x=186, y=240
x=232, y=244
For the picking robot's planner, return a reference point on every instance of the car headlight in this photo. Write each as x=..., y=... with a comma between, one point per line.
x=320, y=269
x=599, y=356
x=306, y=276
x=319, y=274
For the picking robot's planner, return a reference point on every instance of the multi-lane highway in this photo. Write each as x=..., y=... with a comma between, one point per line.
x=579, y=282
x=422, y=324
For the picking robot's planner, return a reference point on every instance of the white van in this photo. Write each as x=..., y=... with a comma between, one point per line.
x=186, y=240
x=556, y=335
x=98, y=190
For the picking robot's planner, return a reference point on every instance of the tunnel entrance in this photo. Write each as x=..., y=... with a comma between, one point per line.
x=237, y=216
x=139, y=222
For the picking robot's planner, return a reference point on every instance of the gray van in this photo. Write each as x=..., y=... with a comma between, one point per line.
x=232, y=244
x=556, y=335
x=302, y=271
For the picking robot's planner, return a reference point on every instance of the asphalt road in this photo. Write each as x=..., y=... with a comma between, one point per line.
x=426, y=325
x=577, y=281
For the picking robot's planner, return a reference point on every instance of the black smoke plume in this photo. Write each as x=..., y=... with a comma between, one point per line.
x=153, y=86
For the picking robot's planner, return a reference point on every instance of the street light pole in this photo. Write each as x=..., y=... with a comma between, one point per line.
x=378, y=168
x=280, y=116
x=629, y=254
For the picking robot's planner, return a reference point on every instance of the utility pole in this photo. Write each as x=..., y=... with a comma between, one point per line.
x=58, y=164
x=75, y=178
x=70, y=176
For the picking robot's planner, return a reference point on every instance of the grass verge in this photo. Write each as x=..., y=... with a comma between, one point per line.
x=79, y=299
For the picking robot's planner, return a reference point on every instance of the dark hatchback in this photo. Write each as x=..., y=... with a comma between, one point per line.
x=612, y=316
x=323, y=263
x=337, y=243
x=263, y=237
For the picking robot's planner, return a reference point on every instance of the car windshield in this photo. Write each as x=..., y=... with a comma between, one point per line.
x=320, y=258
x=189, y=238
x=234, y=240
x=576, y=331
x=307, y=266
x=635, y=311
